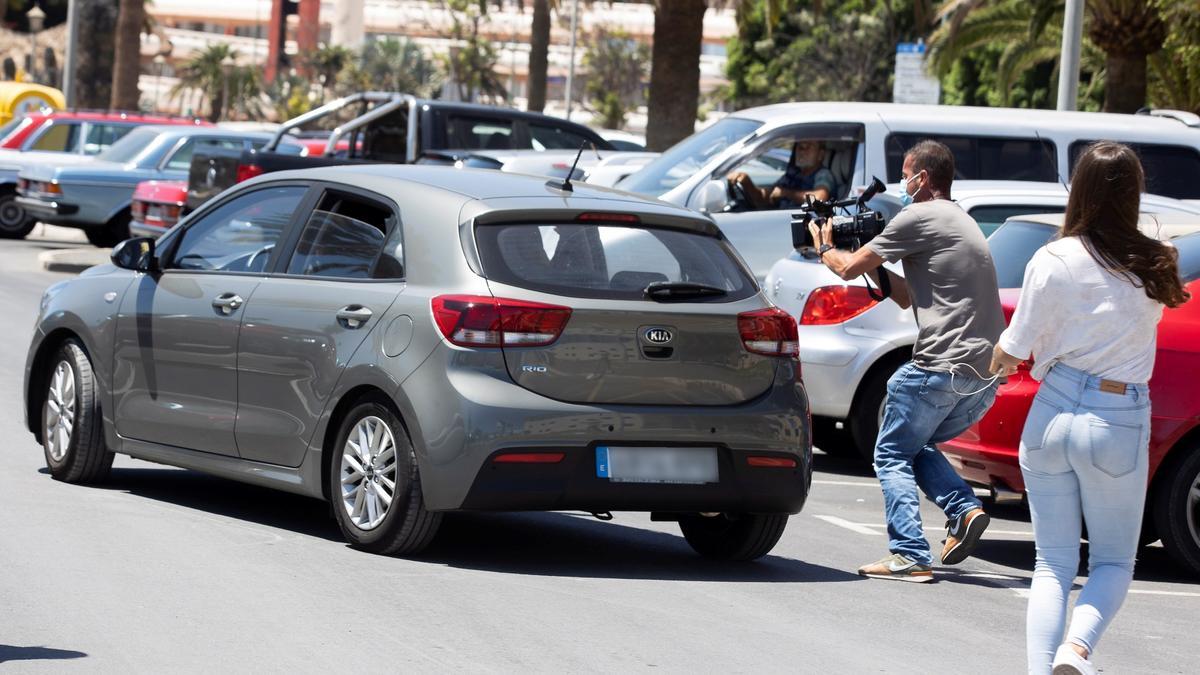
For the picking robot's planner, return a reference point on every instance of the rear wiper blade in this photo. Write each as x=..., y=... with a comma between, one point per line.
x=667, y=291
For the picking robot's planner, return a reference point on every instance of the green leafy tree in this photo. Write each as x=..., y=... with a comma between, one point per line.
x=235, y=92
x=1175, y=71
x=471, y=63
x=616, y=66
x=391, y=65
x=326, y=64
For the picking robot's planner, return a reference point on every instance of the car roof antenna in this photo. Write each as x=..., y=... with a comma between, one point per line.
x=565, y=185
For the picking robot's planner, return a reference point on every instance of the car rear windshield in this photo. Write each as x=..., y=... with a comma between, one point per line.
x=608, y=261
x=1012, y=247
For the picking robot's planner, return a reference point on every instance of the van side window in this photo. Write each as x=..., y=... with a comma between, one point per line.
x=983, y=157
x=1171, y=170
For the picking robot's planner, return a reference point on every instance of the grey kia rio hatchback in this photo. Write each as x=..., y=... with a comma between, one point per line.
x=404, y=341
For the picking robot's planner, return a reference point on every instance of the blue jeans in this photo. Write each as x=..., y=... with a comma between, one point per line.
x=1084, y=455
x=922, y=409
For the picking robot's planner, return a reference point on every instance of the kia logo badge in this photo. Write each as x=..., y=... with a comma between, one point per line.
x=658, y=336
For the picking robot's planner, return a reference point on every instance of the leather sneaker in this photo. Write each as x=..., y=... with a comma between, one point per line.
x=962, y=534
x=898, y=568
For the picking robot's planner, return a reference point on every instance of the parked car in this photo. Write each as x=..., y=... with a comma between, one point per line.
x=623, y=140
x=612, y=170
x=59, y=138
x=96, y=196
x=853, y=344
x=405, y=341
x=392, y=128
x=157, y=205
x=864, y=140
x=987, y=453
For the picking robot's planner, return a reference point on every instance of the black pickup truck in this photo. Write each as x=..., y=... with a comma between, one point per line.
x=390, y=128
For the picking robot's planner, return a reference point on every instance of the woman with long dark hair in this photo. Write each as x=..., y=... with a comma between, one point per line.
x=1088, y=315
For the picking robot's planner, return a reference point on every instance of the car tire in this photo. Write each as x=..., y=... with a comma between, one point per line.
x=111, y=233
x=15, y=223
x=868, y=409
x=405, y=526
x=1176, y=507
x=733, y=536
x=72, y=426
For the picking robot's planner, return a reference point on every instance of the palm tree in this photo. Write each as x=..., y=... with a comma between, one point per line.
x=326, y=63
x=1120, y=33
x=539, y=51
x=392, y=64
x=205, y=74
x=127, y=64
x=674, y=71
x=93, y=74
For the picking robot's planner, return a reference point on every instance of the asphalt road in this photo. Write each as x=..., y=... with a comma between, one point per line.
x=165, y=570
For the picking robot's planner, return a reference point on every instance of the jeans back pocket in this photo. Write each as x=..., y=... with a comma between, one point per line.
x=1116, y=446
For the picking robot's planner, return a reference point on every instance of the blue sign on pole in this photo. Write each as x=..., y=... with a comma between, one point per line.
x=910, y=48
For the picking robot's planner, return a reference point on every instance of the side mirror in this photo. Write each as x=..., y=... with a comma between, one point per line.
x=135, y=254
x=714, y=196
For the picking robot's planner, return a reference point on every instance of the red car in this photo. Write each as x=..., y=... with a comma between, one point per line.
x=987, y=453
x=157, y=205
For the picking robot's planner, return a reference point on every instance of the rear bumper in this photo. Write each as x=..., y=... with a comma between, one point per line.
x=572, y=484
x=139, y=229
x=47, y=210
x=987, y=453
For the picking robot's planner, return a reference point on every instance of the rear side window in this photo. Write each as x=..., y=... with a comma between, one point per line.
x=100, y=136
x=607, y=261
x=1171, y=170
x=1012, y=247
x=990, y=218
x=983, y=157
x=546, y=137
x=348, y=237
x=60, y=137
x=473, y=133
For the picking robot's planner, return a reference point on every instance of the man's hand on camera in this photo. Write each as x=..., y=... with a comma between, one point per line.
x=1003, y=363
x=822, y=232
x=849, y=265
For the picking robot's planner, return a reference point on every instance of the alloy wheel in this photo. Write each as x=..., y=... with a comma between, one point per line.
x=12, y=216
x=368, y=473
x=59, y=415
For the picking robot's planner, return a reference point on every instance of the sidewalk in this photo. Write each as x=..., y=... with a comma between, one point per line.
x=75, y=254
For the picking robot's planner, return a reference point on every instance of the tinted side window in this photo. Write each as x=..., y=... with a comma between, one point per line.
x=546, y=137
x=182, y=159
x=349, y=238
x=992, y=217
x=1013, y=245
x=60, y=137
x=100, y=136
x=1171, y=170
x=475, y=133
x=239, y=235
x=982, y=157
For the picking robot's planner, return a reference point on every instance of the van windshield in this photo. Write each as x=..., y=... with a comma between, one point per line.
x=686, y=157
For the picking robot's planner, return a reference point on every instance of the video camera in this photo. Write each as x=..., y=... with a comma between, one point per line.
x=850, y=230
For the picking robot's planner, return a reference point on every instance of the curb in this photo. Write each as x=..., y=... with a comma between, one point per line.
x=73, y=260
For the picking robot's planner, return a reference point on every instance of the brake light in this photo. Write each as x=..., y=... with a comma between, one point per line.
x=484, y=321
x=771, y=332
x=247, y=171
x=771, y=462
x=835, y=304
x=608, y=218
x=138, y=211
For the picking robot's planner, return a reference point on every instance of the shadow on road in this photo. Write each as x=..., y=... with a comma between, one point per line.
x=571, y=545
x=843, y=464
x=219, y=496
x=14, y=653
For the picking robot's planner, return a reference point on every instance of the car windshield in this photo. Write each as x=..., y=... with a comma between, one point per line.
x=686, y=157
x=130, y=147
x=1013, y=245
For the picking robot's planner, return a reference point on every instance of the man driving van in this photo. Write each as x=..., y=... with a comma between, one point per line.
x=805, y=175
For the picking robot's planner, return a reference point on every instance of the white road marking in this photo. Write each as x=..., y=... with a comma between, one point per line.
x=1175, y=594
x=853, y=527
x=851, y=483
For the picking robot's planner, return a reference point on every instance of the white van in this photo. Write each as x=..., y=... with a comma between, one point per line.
x=863, y=140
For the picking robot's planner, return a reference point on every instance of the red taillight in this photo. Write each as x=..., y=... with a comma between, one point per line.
x=484, y=321
x=138, y=211
x=248, y=171
x=608, y=218
x=835, y=304
x=529, y=458
x=771, y=462
x=771, y=332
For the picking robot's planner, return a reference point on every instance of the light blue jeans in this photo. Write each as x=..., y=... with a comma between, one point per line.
x=1084, y=457
x=925, y=407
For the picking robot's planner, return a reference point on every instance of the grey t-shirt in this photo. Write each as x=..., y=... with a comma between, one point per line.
x=952, y=281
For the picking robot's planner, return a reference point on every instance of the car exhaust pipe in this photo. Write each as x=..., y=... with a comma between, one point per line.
x=1001, y=495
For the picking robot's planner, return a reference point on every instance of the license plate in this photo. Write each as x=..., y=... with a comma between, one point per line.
x=688, y=466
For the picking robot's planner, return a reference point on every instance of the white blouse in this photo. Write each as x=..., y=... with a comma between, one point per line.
x=1074, y=311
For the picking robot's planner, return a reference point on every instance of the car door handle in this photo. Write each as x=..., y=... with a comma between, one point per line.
x=353, y=316
x=227, y=303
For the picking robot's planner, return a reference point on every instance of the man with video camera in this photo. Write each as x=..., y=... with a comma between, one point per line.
x=950, y=281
